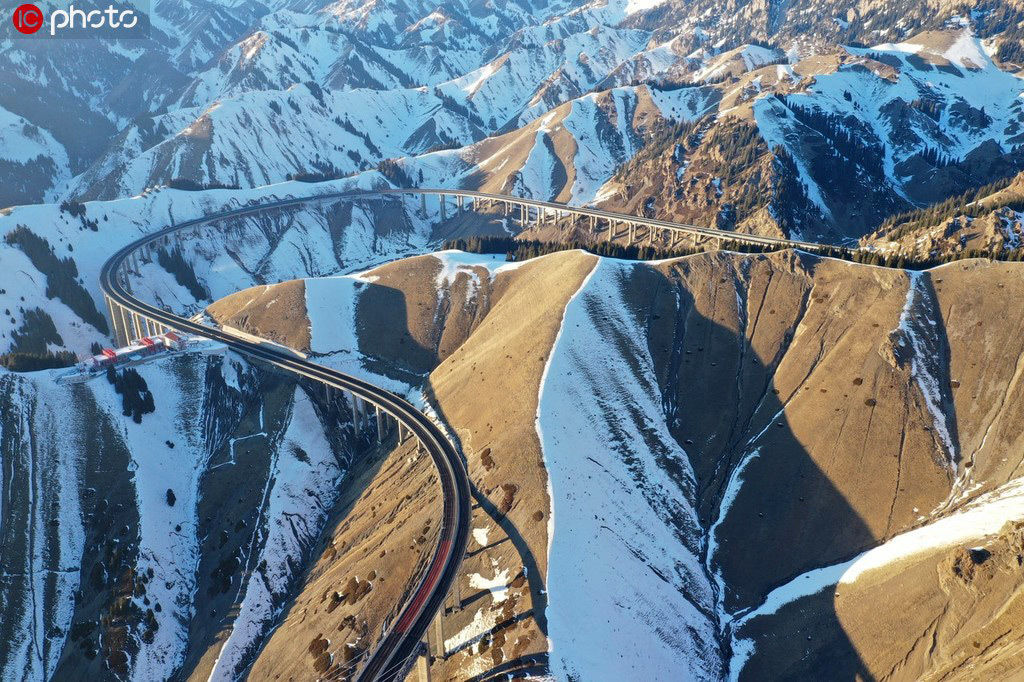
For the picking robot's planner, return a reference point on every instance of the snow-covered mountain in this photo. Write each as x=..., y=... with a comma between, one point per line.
x=723, y=405
x=240, y=94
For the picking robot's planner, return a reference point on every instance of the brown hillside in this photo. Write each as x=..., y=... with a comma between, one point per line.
x=853, y=402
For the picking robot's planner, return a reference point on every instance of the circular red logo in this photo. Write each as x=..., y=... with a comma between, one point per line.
x=28, y=18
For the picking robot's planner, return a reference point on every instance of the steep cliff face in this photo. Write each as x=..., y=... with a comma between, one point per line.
x=638, y=433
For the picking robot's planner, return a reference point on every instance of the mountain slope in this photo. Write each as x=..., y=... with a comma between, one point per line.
x=773, y=401
x=128, y=544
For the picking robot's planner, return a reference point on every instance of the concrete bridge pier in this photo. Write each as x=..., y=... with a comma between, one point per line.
x=458, y=202
x=116, y=322
x=437, y=634
x=357, y=426
x=136, y=326
x=125, y=327
x=380, y=423
x=423, y=205
x=126, y=281
x=632, y=234
x=110, y=315
x=444, y=208
x=364, y=413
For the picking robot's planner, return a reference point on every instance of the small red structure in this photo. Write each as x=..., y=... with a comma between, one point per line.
x=146, y=346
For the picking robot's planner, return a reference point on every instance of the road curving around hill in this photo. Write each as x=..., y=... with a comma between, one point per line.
x=425, y=599
x=413, y=618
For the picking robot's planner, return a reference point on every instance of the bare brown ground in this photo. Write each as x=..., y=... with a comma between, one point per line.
x=276, y=312
x=794, y=357
x=383, y=531
x=980, y=303
x=488, y=339
x=945, y=615
x=500, y=367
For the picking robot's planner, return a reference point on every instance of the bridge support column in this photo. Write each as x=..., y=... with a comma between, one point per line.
x=458, y=202
x=421, y=667
x=110, y=315
x=380, y=424
x=438, y=633
x=126, y=328
x=134, y=325
x=360, y=412
x=423, y=205
x=444, y=208
x=611, y=235
x=115, y=322
x=632, y=234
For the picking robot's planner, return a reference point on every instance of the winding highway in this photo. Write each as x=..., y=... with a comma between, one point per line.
x=413, y=619
x=133, y=318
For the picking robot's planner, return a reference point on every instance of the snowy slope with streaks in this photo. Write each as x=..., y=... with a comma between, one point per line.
x=156, y=477
x=625, y=539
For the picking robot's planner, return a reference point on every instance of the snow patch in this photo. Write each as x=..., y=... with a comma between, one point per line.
x=497, y=585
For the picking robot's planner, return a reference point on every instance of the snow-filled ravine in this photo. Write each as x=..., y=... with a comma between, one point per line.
x=616, y=560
